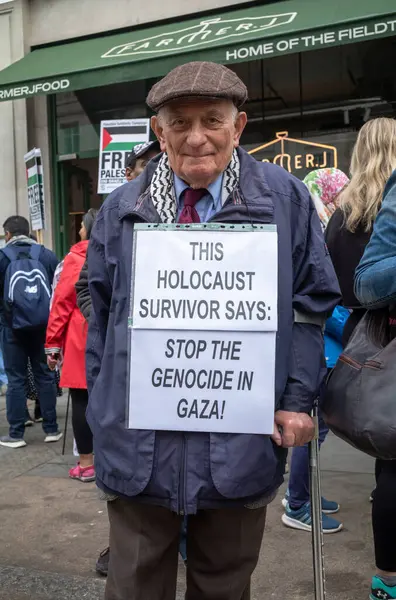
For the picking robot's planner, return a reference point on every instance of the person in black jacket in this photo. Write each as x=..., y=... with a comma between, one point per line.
x=83, y=297
x=346, y=248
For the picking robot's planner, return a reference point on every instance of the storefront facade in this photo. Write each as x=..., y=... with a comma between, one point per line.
x=315, y=71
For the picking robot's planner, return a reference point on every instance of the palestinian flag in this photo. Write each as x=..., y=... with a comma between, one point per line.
x=122, y=138
x=34, y=171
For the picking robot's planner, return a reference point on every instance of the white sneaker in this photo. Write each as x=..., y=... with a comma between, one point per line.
x=10, y=442
x=53, y=437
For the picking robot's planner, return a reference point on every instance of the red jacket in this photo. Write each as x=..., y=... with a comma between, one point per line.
x=67, y=328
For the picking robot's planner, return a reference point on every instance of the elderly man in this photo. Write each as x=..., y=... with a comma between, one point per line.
x=223, y=482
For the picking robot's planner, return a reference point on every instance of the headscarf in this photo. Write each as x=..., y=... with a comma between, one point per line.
x=325, y=185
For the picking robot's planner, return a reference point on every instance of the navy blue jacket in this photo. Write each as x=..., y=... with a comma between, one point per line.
x=47, y=258
x=188, y=471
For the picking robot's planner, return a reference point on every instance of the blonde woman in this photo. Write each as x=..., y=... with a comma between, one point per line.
x=350, y=227
x=373, y=160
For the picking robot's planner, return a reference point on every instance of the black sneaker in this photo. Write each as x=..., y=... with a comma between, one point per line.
x=102, y=564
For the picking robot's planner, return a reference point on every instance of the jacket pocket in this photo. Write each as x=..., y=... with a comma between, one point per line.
x=242, y=465
x=123, y=457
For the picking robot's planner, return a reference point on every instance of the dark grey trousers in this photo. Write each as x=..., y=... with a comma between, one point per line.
x=223, y=546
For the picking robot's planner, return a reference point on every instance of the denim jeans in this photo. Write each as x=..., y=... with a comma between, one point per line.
x=17, y=348
x=299, y=470
x=3, y=376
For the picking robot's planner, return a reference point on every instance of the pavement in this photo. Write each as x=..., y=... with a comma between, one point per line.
x=53, y=528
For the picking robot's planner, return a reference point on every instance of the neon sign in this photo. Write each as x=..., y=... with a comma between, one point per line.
x=283, y=152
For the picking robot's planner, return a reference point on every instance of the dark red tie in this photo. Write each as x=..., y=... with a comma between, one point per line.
x=189, y=213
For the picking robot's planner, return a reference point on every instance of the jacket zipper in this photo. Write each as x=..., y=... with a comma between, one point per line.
x=182, y=477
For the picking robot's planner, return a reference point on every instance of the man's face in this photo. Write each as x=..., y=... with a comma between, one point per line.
x=199, y=137
x=140, y=165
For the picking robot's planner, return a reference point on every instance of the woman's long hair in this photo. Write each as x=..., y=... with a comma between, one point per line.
x=373, y=160
x=88, y=220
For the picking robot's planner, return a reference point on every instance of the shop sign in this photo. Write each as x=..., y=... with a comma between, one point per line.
x=34, y=176
x=117, y=139
x=204, y=33
x=46, y=87
x=296, y=156
x=295, y=43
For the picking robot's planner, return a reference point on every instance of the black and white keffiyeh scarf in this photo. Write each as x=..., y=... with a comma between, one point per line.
x=162, y=189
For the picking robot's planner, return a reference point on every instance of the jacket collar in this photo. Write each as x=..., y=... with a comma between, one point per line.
x=136, y=199
x=21, y=239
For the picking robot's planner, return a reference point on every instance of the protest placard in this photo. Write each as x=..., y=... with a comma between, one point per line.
x=202, y=381
x=35, y=187
x=117, y=138
x=203, y=329
x=219, y=280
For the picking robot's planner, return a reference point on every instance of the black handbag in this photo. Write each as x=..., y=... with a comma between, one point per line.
x=359, y=403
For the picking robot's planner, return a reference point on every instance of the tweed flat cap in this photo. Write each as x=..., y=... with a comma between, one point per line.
x=198, y=79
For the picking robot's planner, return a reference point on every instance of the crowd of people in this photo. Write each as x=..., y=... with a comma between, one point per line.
x=358, y=243
x=203, y=494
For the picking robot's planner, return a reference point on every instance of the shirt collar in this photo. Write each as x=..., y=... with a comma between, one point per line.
x=214, y=188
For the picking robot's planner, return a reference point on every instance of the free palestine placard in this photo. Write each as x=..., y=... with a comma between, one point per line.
x=117, y=139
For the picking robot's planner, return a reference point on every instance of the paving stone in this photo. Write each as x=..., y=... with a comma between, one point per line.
x=53, y=528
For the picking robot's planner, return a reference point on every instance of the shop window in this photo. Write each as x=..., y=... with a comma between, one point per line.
x=69, y=139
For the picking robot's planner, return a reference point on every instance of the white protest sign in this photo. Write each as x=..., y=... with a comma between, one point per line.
x=117, y=138
x=212, y=280
x=203, y=320
x=35, y=187
x=202, y=381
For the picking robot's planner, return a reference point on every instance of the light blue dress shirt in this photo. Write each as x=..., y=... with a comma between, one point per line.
x=208, y=205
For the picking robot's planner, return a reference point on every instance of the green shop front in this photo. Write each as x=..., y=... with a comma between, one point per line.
x=316, y=72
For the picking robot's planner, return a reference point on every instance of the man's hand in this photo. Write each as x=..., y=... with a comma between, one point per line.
x=52, y=361
x=292, y=429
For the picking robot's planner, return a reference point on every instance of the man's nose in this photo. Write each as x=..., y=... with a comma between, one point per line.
x=196, y=135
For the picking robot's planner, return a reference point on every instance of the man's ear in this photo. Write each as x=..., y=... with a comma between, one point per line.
x=240, y=124
x=159, y=131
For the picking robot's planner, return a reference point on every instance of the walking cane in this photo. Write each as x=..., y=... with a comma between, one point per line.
x=316, y=512
x=67, y=418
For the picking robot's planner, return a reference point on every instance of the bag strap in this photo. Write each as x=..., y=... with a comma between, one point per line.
x=10, y=252
x=300, y=317
x=35, y=251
